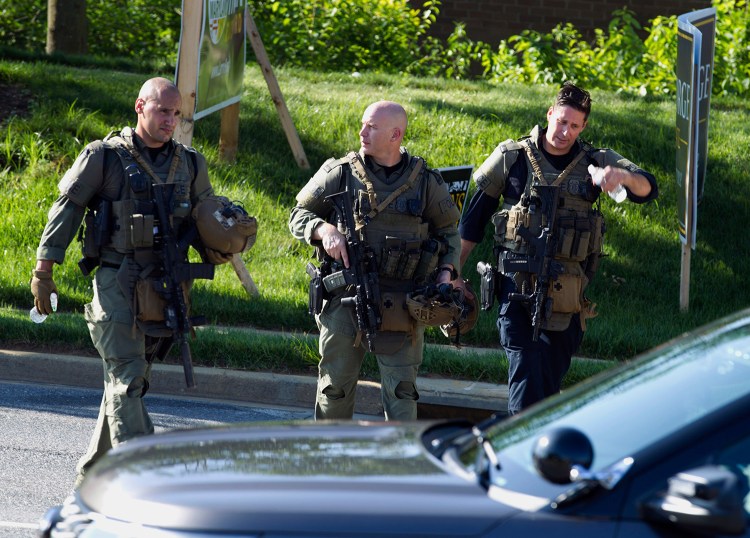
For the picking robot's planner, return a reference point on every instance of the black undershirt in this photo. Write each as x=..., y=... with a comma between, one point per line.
x=481, y=207
x=154, y=152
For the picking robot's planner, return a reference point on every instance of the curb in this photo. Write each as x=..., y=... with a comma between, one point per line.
x=439, y=398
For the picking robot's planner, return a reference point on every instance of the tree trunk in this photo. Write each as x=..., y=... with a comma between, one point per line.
x=66, y=27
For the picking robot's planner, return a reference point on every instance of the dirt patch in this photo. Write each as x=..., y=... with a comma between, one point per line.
x=14, y=101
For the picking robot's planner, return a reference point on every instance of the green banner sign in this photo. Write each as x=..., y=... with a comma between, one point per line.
x=222, y=56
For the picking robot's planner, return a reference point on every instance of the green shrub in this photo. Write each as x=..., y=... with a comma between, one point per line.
x=458, y=57
x=343, y=35
x=732, y=71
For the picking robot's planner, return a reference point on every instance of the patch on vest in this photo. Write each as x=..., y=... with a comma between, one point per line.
x=311, y=191
x=447, y=205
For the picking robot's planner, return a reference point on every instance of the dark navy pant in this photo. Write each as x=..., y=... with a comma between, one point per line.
x=535, y=369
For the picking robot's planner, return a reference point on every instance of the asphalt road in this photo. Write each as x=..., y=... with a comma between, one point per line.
x=46, y=428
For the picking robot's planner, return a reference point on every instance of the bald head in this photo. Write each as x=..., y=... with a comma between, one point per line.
x=155, y=87
x=158, y=108
x=383, y=128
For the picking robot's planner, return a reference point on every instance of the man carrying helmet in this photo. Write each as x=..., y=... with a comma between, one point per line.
x=112, y=188
x=405, y=216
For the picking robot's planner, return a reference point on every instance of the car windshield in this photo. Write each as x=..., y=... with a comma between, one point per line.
x=665, y=389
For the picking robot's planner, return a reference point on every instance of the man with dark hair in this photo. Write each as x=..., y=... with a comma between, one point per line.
x=548, y=239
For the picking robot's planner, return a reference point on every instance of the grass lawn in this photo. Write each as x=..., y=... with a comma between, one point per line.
x=451, y=123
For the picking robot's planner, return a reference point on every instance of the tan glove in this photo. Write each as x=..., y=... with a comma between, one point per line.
x=42, y=287
x=217, y=258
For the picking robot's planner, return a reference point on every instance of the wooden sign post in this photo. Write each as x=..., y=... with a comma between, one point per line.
x=187, y=80
x=278, y=99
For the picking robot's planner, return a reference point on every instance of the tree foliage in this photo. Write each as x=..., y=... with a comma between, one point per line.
x=391, y=36
x=144, y=30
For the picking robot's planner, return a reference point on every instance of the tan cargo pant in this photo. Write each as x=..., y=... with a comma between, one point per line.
x=122, y=414
x=341, y=362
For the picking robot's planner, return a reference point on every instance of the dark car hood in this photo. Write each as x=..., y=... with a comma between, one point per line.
x=321, y=477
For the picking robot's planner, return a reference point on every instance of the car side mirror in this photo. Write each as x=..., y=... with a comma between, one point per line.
x=706, y=499
x=558, y=452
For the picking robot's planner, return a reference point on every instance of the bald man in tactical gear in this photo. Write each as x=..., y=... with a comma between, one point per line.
x=115, y=176
x=404, y=213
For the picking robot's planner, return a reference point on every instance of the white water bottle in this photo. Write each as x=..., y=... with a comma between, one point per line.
x=597, y=174
x=38, y=317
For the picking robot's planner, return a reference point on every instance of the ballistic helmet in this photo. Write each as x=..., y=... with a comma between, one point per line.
x=224, y=226
x=466, y=319
x=435, y=305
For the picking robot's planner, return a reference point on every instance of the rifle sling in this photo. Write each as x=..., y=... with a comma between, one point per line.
x=147, y=168
x=538, y=170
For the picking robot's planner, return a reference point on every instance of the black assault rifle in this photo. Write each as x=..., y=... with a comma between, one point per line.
x=362, y=272
x=540, y=259
x=176, y=271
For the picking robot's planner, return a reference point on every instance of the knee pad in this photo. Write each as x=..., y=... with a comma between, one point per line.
x=137, y=388
x=406, y=390
x=333, y=393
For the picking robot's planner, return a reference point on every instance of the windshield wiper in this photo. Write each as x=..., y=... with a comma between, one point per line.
x=586, y=482
x=486, y=464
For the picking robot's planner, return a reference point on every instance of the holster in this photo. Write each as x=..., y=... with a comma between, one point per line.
x=487, y=275
x=94, y=234
x=316, y=290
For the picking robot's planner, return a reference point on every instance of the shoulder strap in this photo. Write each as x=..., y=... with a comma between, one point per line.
x=538, y=170
x=511, y=145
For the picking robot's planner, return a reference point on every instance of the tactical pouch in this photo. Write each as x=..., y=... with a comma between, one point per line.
x=428, y=259
x=409, y=260
x=395, y=316
x=133, y=225
x=566, y=291
x=122, y=210
x=500, y=224
x=150, y=304
x=390, y=257
x=89, y=248
x=577, y=237
x=142, y=231
x=597, y=233
x=521, y=217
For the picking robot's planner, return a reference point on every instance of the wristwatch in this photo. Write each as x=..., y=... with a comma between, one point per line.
x=453, y=272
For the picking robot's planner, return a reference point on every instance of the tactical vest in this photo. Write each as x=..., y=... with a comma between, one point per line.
x=391, y=224
x=578, y=229
x=134, y=225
